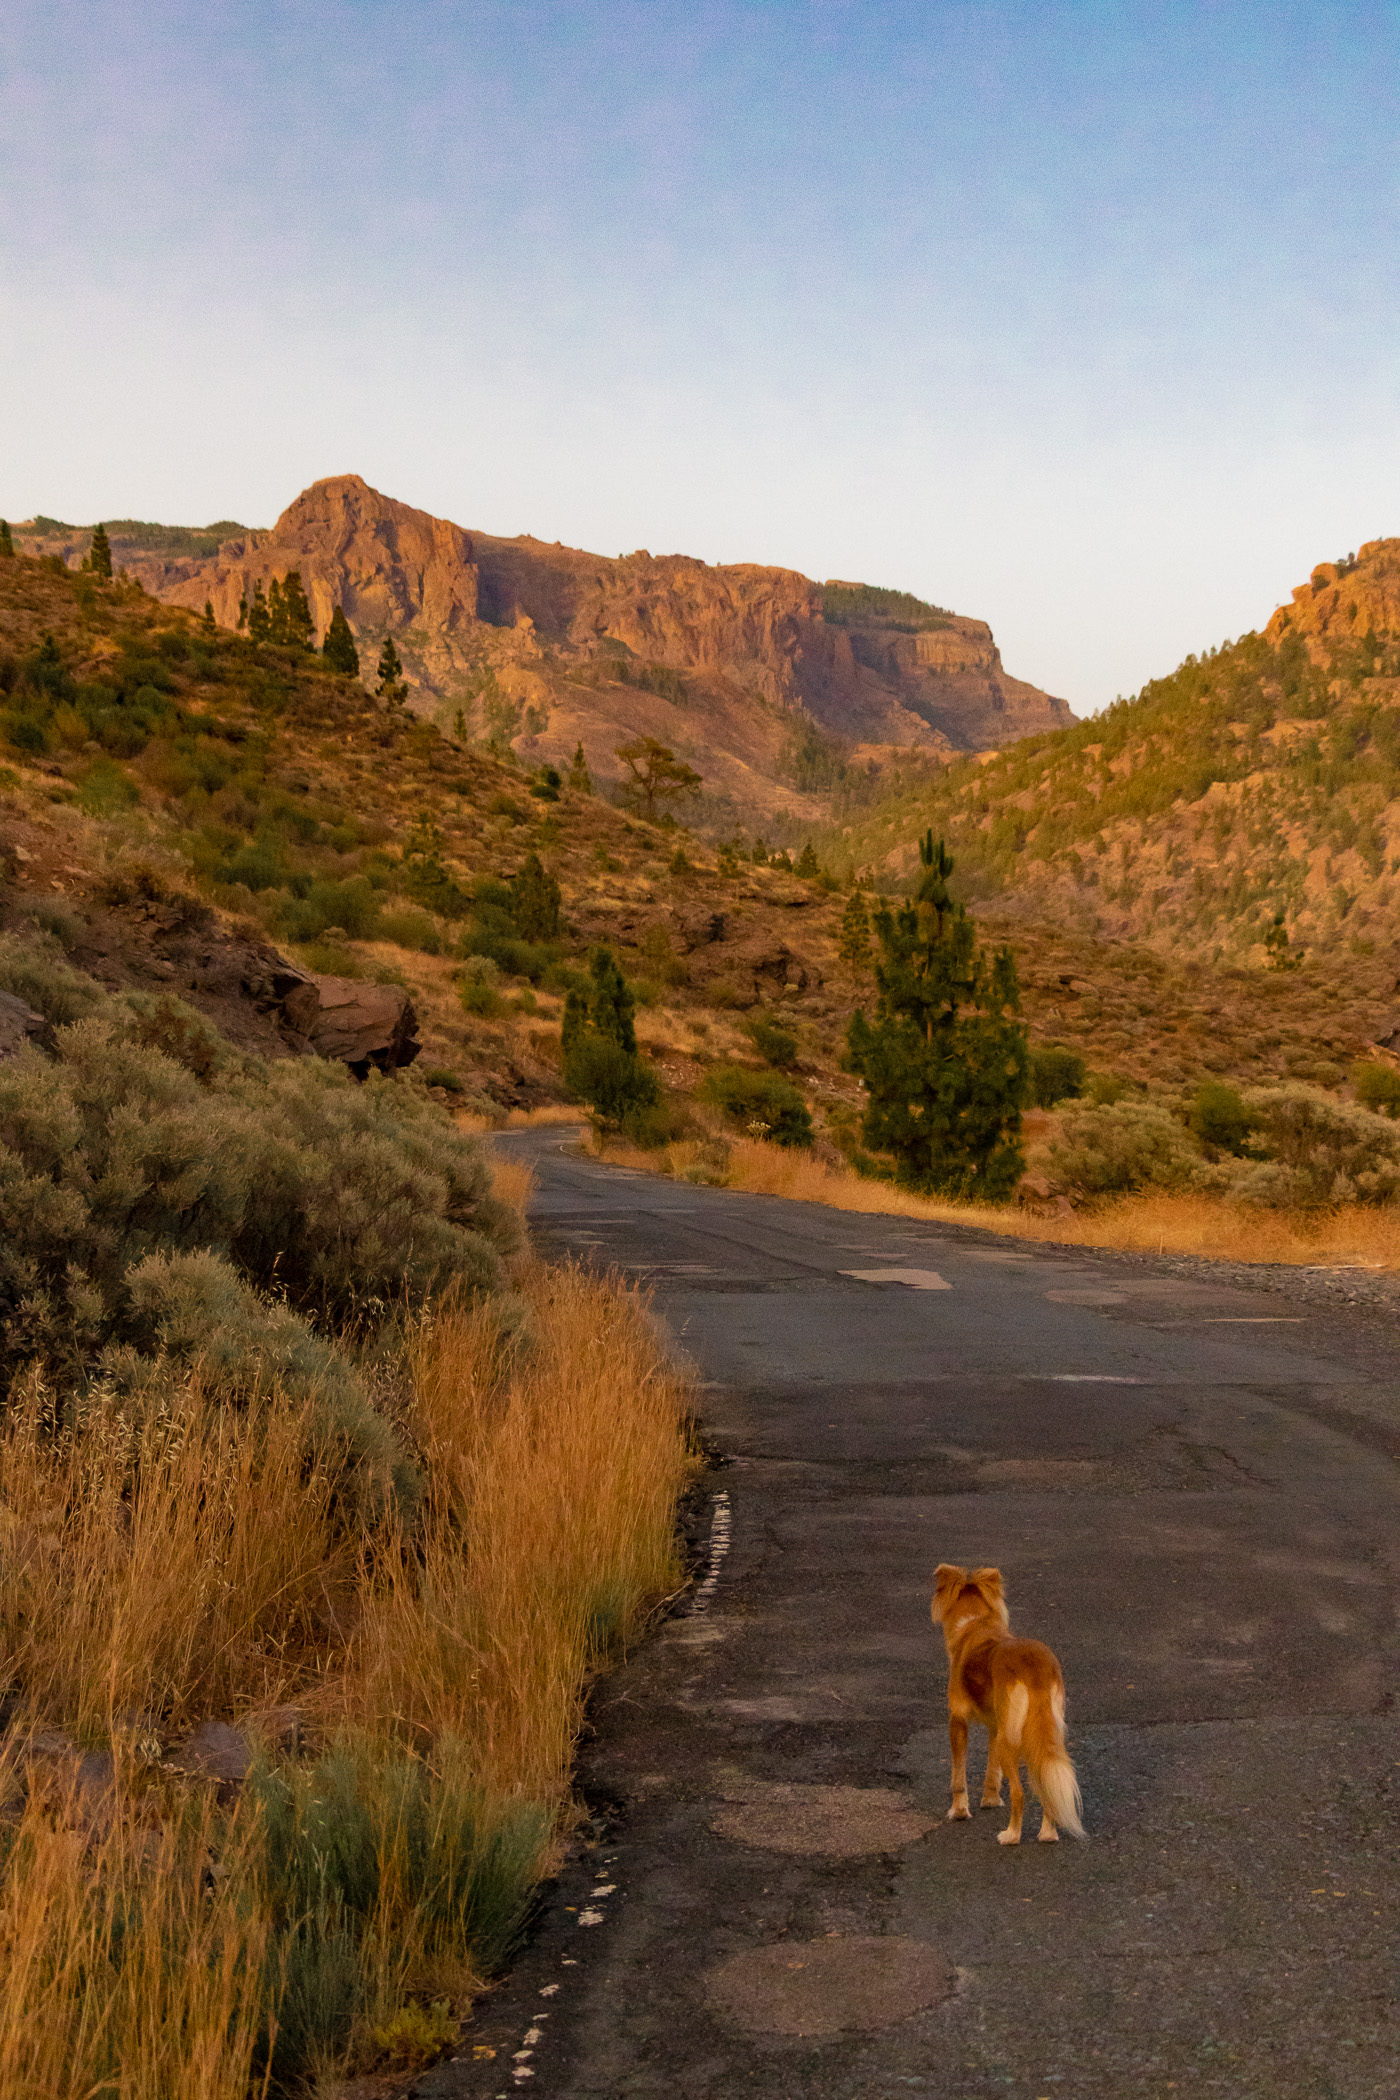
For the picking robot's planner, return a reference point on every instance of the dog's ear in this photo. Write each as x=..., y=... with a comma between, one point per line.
x=947, y=1584
x=989, y=1586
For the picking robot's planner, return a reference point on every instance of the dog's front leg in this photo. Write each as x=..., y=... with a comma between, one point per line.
x=957, y=1737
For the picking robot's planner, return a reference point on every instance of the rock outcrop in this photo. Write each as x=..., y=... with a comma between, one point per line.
x=393, y=570
x=20, y=1026
x=363, y=1025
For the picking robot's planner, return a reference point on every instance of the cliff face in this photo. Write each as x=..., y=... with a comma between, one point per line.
x=1345, y=601
x=869, y=683
x=395, y=570
x=575, y=643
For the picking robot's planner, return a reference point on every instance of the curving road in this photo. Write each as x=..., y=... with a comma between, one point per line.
x=1193, y=1493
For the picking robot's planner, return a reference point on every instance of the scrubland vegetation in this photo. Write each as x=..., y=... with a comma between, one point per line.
x=295, y=1438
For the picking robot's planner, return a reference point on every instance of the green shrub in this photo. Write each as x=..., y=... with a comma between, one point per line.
x=359, y=1832
x=34, y=969
x=772, y=1041
x=1219, y=1119
x=760, y=1102
x=478, y=983
x=412, y=929
x=1319, y=1151
x=1057, y=1074
x=148, y=1151
x=1123, y=1145
x=1378, y=1088
x=613, y=1081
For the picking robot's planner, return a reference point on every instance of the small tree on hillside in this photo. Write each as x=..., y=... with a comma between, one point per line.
x=258, y=623
x=100, y=553
x=807, y=863
x=655, y=775
x=208, y=624
x=298, y=625
x=946, y=1068
x=535, y=901
x=599, y=1042
x=580, y=779
x=391, y=688
x=853, y=944
x=339, y=649
x=7, y=548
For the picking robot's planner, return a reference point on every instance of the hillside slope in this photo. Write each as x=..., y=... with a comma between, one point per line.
x=1261, y=778
x=735, y=667
x=145, y=759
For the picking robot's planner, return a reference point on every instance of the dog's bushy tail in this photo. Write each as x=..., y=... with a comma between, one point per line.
x=1048, y=1762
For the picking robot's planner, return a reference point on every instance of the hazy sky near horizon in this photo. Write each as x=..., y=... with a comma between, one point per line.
x=1078, y=317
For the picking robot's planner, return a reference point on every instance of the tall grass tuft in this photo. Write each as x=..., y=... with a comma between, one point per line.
x=555, y=1462
x=135, y=1957
x=199, y=1561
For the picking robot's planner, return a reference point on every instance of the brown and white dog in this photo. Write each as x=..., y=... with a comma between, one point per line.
x=1014, y=1688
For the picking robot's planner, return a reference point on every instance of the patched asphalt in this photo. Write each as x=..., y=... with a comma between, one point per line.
x=1190, y=1487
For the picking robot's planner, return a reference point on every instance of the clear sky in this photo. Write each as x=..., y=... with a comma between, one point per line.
x=1080, y=317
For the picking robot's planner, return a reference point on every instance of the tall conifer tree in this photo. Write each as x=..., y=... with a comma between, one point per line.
x=946, y=1067
x=100, y=553
x=258, y=621
x=391, y=687
x=339, y=649
x=7, y=544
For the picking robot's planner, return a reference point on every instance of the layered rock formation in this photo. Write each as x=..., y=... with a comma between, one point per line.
x=393, y=569
x=1344, y=601
x=732, y=666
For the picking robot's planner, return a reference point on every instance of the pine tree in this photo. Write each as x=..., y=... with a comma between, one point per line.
x=807, y=863
x=339, y=649
x=534, y=902
x=853, y=946
x=7, y=547
x=391, y=687
x=599, y=1042
x=100, y=553
x=580, y=779
x=208, y=623
x=276, y=613
x=946, y=1068
x=259, y=624
x=242, y=611
x=297, y=620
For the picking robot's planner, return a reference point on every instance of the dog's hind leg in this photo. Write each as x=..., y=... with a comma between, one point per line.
x=957, y=1738
x=991, y=1784
x=1010, y=1763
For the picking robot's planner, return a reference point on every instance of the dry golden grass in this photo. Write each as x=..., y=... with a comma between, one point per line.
x=512, y=1181
x=166, y=1569
x=130, y=1972
x=1151, y=1222
x=198, y=1566
x=550, y=1525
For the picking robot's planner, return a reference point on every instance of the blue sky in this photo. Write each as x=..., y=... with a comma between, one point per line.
x=1082, y=318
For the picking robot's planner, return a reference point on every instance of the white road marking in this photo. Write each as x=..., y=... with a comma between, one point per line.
x=913, y=1279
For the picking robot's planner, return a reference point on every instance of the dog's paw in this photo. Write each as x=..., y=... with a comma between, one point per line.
x=1008, y=1837
x=990, y=1801
x=1048, y=1835
x=959, y=1813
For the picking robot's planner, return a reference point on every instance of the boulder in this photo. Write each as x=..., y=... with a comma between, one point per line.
x=775, y=969
x=19, y=1025
x=697, y=929
x=359, y=1024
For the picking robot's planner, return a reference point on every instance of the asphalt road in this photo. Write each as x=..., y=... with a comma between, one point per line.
x=1192, y=1492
